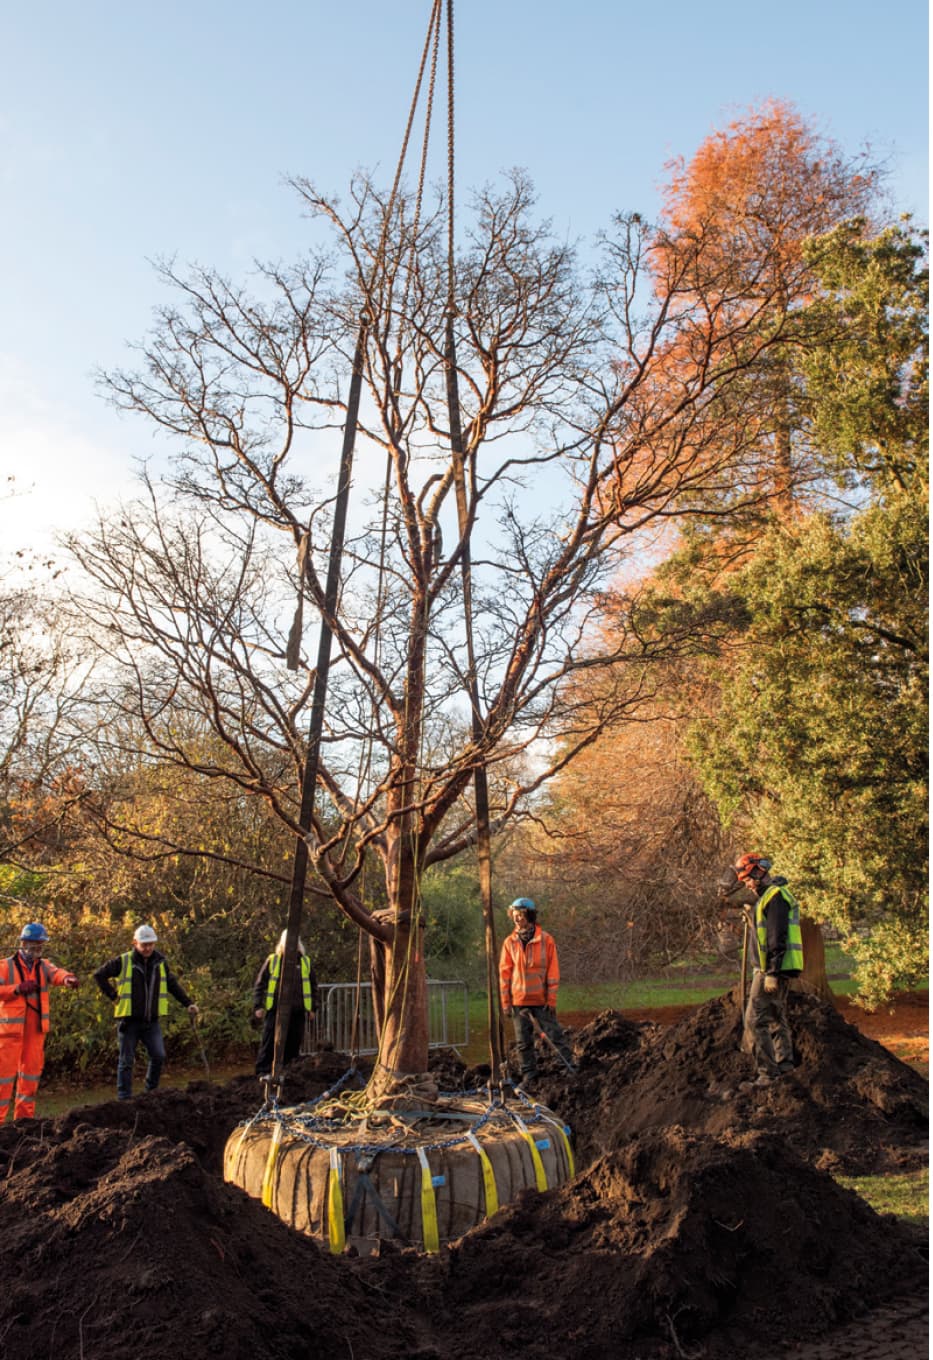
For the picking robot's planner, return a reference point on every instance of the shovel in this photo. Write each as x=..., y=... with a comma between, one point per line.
x=194, y=1026
x=549, y=1041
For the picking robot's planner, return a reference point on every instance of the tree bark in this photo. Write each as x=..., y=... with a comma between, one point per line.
x=813, y=979
x=400, y=993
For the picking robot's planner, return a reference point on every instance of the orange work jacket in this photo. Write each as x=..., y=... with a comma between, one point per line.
x=13, y=1008
x=528, y=973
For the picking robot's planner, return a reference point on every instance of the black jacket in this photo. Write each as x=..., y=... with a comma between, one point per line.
x=145, y=989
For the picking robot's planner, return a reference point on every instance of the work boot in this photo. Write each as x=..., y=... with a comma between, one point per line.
x=761, y=1080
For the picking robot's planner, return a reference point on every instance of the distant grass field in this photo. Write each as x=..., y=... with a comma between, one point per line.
x=906, y=1195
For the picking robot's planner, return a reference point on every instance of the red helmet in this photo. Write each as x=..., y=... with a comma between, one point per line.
x=751, y=868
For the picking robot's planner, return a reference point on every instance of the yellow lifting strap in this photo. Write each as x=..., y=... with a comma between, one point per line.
x=335, y=1230
x=555, y=1123
x=540, y=1176
x=428, y=1205
x=268, y=1179
x=489, y=1176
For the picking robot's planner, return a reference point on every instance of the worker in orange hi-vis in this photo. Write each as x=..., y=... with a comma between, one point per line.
x=25, y=979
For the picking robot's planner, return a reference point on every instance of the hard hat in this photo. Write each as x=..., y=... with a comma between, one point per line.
x=522, y=904
x=144, y=935
x=34, y=931
x=750, y=868
x=280, y=947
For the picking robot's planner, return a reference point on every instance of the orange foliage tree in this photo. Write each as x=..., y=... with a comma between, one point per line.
x=630, y=816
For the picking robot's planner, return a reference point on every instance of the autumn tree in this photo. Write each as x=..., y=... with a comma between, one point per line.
x=761, y=188
x=819, y=742
x=577, y=433
x=757, y=191
x=43, y=683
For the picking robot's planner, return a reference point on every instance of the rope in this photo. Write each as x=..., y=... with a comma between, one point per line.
x=310, y=773
x=480, y=782
x=339, y=1116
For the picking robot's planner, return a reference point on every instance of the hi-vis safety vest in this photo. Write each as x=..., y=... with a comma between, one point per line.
x=124, y=1007
x=13, y=1010
x=528, y=973
x=792, y=961
x=275, y=968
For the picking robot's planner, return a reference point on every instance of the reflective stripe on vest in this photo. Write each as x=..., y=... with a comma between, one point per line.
x=124, y=1007
x=42, y=977
x=793, y=953
x=275, y=967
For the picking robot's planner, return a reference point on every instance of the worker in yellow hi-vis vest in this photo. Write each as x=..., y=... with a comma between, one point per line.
x=778, y=947
x=265, y=1000
x=139, y=983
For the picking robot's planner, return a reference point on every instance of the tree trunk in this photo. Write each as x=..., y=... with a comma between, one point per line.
x=400, y=996
x=813, y=979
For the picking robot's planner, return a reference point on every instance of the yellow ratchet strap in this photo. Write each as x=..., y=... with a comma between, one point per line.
x=428, y=1206
x=489, y=1177
x=335, y=1230
x=555, y=1123
x=269, y=1176
x=540, y=1177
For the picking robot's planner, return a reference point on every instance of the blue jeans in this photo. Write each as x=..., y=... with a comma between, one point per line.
x=132, y=1032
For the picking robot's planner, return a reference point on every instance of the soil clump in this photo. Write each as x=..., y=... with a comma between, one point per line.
x=702, y=1221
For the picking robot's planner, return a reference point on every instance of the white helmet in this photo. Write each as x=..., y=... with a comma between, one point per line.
x=144, y=935
x=280, y=947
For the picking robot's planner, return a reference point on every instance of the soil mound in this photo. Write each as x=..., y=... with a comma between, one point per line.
x=850, y=1106
x=701, y=1222
x=667, y=1242
x=126, y=1246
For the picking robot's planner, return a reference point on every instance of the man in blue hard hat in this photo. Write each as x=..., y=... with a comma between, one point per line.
x=529, y=976
x=25, y=979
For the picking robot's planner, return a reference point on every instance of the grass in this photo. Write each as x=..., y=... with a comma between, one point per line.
x=906, y=1194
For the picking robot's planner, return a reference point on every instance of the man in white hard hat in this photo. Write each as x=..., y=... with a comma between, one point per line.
x=138, y=983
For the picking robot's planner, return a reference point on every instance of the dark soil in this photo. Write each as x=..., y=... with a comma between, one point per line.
x=702, y=1222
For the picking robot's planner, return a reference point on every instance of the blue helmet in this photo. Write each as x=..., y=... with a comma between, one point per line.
x=522, y=904
x=34, y=931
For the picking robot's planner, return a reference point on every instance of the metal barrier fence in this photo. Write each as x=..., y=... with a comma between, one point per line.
x=448, y=1017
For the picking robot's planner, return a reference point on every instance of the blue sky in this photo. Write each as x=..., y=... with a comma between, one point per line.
x=131, y=132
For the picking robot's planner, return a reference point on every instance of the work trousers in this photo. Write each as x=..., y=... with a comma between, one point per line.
x=766, y=1022
x=130, y=1033
x=523, y=1018
x=22, y=1057
x=294, y=1037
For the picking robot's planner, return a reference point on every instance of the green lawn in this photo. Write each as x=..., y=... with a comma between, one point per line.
x=907, y=1195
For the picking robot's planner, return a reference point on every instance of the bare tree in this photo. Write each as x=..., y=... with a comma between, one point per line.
x=43, y=680
x=593, y=410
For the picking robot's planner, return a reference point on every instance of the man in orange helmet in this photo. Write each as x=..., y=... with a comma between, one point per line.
x=529, y=975
x=25, y=979
x=779, y=957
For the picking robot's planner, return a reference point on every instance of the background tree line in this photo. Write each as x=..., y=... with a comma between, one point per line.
x=761, y=682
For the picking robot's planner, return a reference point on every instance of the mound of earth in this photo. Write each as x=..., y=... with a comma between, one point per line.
x=850, y=1106
x=698, y=1225
x=670, y=1241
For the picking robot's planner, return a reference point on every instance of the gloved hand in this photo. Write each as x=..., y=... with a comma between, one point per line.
x=27, y=987
x=70, y=981
x=771, y=982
